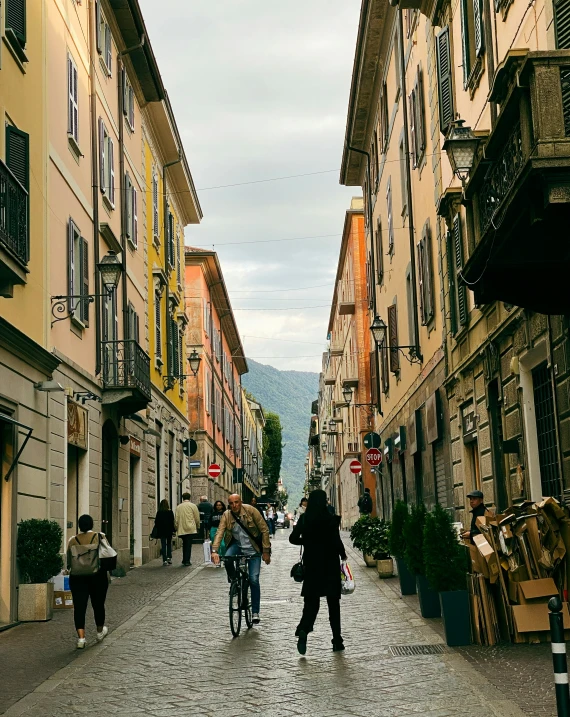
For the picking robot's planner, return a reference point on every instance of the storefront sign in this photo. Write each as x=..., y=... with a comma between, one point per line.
x=134, y=446
x=76, y=425
x=469, y=423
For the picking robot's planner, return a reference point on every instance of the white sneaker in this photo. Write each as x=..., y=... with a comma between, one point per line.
x=103, y=634
x=255, y=618
x=80, y=643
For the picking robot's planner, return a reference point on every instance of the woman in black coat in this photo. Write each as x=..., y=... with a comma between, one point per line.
x=164, y=529
x=318, y=532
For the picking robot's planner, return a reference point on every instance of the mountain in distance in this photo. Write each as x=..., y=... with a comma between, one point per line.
x=290, y=394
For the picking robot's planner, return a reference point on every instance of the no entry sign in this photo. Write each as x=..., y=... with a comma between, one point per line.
x=373, y=457
x=355, y=466
x=214, y=470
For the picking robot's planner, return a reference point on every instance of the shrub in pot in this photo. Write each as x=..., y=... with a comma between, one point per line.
x=370, y=535
x=446, y=569
x=414, y=554
x=398, y=548
x=39, y=559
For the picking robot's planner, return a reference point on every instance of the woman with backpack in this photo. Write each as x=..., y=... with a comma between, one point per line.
x=164, y=529
x=88, y=577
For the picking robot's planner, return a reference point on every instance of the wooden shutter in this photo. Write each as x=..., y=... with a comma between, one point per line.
x=420, y=118
x=413, y=115
x=73, y=107
x=70, y=263
x=368, y=281
x=131, y=321
x=562, y=24
x=108, y=48
x=379, y=251
x=131, y=107
x=428, y=275
x=384, y=117
x=170, y=239
x=98, y=25
x=15, y=19
x=111, y=172
x=135, y=237
x=178, y=259
x=421, y=263
x=155, y=204
x=390, y=217
x=465, y=48
x=158, y=332
x=174, y=347
x=445, y=86
x=451, y=282
x=84, y=280
x=393, y=336
x=128, y=207
x=374, y=378
x=102, y=173
x=478, y=27
x=385, y=370
x=461, y=290
x=125, y=91
x=18, y=154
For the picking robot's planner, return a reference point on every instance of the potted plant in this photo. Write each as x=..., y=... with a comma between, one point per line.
x=398, y=548
x=371, y=536
x=359, y=534
x=414, y=554
x=380, y=544
x=446, y=570
x=39, y=559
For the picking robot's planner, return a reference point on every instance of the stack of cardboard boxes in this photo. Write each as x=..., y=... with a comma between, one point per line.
x=518, y=563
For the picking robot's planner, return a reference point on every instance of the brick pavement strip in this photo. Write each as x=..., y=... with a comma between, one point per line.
x=175, y=657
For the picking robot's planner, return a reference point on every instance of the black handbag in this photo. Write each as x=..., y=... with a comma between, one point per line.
x=298, y=570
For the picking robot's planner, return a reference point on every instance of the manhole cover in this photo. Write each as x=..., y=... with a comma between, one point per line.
x=409, y=650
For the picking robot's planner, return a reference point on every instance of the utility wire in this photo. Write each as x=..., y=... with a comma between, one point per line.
x=272, y=179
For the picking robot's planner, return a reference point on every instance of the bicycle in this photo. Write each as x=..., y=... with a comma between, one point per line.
x=240, y=593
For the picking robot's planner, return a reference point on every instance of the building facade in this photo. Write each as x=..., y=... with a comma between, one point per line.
x=253, y=423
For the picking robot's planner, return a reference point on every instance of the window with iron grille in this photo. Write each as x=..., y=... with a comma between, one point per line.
x=545, y=417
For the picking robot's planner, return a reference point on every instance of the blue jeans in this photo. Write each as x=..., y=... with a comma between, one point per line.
x=254, y=568
x=166, y=548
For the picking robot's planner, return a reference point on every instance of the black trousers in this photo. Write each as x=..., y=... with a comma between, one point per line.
x=311, y=610
x=166, y=548
x=186, y=547
x=84, y=587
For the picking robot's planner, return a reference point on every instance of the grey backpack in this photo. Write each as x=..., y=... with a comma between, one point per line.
x=85, y=558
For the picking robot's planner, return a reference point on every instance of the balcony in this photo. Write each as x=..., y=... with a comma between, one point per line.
x=352, y=445
x=126, y=376
x=518, y=196
x=14, y=232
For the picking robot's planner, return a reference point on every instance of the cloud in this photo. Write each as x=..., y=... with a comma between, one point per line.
x=260, y=90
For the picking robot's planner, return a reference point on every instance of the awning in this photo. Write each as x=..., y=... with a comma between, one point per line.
x=8, y=419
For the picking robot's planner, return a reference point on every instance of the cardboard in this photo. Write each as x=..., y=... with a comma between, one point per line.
x=534, y=618
x=478, y=564
x=536, y=591
x=489, y=555
x=62, y=600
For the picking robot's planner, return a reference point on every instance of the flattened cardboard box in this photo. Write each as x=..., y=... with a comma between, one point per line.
x=489, y=555
x=62, y=599
x=532, y=592
x=534, y=618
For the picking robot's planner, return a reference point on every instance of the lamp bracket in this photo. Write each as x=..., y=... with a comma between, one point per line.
x=60, y=304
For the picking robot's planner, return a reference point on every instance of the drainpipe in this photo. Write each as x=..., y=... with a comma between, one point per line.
x=166, y=248
x=409, y=186
x=555, y=406
x=95, y=181
x=123, y=198
x=213, y=392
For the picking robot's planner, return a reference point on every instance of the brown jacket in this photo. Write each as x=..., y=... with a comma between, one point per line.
x=252, y=519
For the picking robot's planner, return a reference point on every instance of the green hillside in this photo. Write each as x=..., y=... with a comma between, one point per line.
x=290, y=394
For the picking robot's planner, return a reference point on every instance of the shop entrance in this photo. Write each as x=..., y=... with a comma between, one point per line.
x=7, y=530
x=109, y=459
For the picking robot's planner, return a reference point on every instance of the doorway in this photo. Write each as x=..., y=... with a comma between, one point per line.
x=109, y=460
x=546, y=431
x=7, y=524
x=501, y=490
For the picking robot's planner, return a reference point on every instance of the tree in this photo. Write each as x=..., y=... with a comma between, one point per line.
x=272, y=451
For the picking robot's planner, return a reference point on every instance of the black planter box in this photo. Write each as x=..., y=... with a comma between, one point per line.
x=407, y=578
x=456, y=617
x=429, y=599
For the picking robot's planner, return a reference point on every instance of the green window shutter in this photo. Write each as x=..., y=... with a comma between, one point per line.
x=98, y=25
x=562, y=24
x=102, y=172
x=421, y=276
x=18, y=154
x=379, y=252
x=70, y=263
x=393, y=336
x=128, y=207
x=420, y=120
x=445, y=85
x=478, y=27
x=428, y=276
x=374, y=398
x=157, y=323
x=461, y=290
x=84, y=280
x=15, y=19
x=451, y=282
x=465, y=41
x=174, y=347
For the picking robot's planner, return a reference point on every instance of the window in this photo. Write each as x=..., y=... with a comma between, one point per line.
x=562, y=24
x=207, y=397
x=180, y=372
x=457, y=288
x=128, y=100
x=72, y=102
x=106, y=164
x=403, y=172
x=133, y=324
x=384, y=362
x=410, y=17
x=170, y=237
x=18, y=155
x=173, y=362
x=374, y=397
x=444, y=81
x=104, y=45
x=397, y=64
x=471, y=36
x=178, y=257
x=379, y=252
x=393, y=337
x=384, y=119
x=158, y=328
x=374, y=162
x=78, y=273
x=15, y=22
x=155, y=206
x=425, y=276
x=131, y=219
x=417, y=119
x=390, y=217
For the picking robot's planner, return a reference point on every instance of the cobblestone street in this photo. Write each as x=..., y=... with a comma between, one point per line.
x=175, y=656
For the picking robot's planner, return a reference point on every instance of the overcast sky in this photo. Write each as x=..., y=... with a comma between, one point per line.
x=260, y=90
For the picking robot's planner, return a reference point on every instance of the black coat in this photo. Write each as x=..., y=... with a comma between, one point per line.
x=164, y=524
x=475, y=513
x=322, y=551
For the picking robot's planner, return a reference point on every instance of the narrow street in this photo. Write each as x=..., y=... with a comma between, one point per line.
x=176, y=657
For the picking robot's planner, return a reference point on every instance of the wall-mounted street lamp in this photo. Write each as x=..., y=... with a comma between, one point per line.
x=324, y=447
x=194, y=361
x=378, y=330
x=332, y=426
x=461, y=147
x=109, y=268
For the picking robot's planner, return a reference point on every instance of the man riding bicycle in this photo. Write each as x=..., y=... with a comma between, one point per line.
x=246, y=533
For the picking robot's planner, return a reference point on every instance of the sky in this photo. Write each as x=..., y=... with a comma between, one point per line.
x=260, y=91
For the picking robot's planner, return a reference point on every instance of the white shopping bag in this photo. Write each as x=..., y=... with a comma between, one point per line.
x=347, y=579
x=207, y=552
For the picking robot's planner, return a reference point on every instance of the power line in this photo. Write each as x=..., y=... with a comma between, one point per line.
x=272, y=291
x=265, y=241
x=288, y=308
x=272, y=179
x=290, y=341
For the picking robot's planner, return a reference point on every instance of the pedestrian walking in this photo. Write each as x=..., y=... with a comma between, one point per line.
x=219, y=510
x=365, y=503
x=88, y=579
x=164, y=529
x=205, y=508
x=270, y=518
x=187, y=525
x=318, y=532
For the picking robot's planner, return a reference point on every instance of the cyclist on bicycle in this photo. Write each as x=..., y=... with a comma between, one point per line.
x=246, y=533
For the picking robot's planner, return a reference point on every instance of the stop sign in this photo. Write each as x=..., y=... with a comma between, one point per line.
x=214, y=470
x=355, y=466
x=373, y=457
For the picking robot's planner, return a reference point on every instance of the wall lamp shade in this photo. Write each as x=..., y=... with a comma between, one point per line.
x=324, y=447
x=110, y=269
x=48, y=386
x=347, y=394
x=378, y=329
x=194, y=361
x=332, y=426
x=461, y=147
x=245, y=441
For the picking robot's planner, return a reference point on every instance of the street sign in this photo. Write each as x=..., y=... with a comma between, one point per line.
x=237, y=475
x=355, y=466
x=194, y=464
x=214, y=470
x=372, y=440
x=373, y=457
x=189, y=447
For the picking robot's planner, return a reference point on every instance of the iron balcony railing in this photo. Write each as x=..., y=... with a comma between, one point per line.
x=126, y=365
x=14, y=229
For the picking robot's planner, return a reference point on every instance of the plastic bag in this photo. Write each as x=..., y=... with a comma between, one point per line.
x=207, y=552
x=347, y=580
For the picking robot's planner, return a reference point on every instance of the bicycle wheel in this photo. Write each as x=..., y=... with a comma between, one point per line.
x=246, y=603
x=235, y=608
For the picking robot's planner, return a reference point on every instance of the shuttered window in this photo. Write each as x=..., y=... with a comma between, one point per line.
x=178, y=257
x=369, y=285
x=374, y=395
x=72, y=100
x=425, y=276
x=155, y=205
x=390, y=217
x=444, y=79
x=379, y=252
x=128, y=100
x=458, y=290
x=471, y=35
x=15, y=19
x=134, y=324
x=18, y=154
x=562, y=24
x=383, y=352
x=417, y=119
x=77, y=274
x=173, y=367
x=403, y=171
x=384, y=119
x=170, y=238
x=104, y=40
x=393, y=337
x=158, y=326
x=106, y=163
